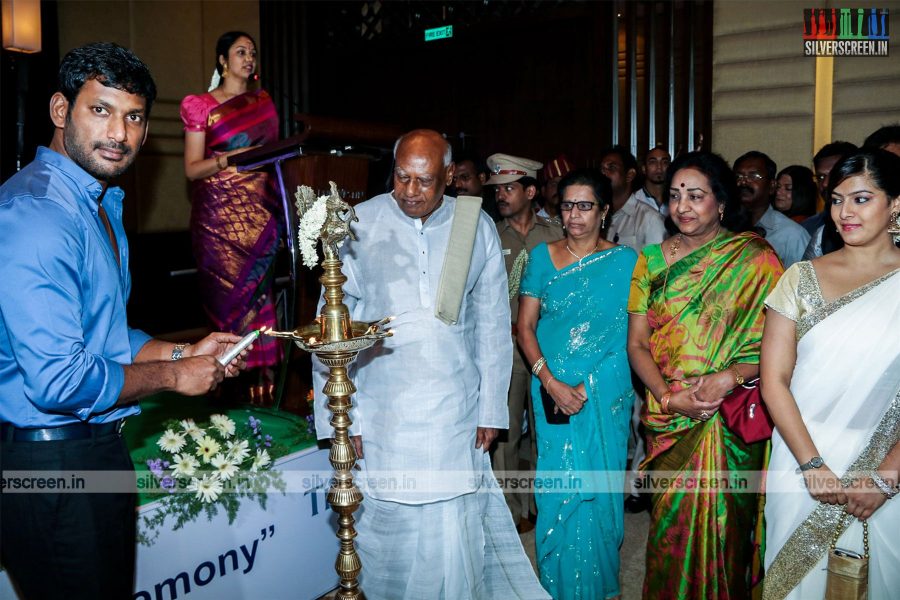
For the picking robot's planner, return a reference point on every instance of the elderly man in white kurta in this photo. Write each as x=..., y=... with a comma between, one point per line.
x=431, y=398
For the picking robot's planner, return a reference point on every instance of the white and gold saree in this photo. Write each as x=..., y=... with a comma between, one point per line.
x=847, y=386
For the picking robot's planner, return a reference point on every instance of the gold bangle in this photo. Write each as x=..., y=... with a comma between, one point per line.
x=738, y=378
x=538, y=365
x=664, y=402
x=218, y=164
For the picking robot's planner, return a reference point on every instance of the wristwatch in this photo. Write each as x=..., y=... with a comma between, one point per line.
x=814, y=463
x=178, y=351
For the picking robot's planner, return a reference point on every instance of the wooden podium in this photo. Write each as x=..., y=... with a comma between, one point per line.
x=326, y=149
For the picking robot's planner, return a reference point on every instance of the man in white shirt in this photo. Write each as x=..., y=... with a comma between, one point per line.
x=431, y=398
x=634, y=223
x=755, y=174
x=654, y=169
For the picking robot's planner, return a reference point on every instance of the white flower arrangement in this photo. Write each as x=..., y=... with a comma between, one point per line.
x=206, y=468
x=326, y=218
x=312, y=219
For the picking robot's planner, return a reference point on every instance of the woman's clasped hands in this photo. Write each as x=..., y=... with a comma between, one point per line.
x=699, y=399
x=860, y=498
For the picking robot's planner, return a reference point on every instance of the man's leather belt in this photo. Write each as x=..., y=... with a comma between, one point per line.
x=75, y=431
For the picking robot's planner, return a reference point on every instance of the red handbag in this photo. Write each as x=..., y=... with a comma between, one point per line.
x=745, y=414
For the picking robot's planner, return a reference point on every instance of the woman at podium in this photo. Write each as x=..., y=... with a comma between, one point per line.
x=234, y=229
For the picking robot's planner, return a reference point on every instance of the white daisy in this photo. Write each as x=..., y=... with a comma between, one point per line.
x=190, y=429
x=184, y=465
x=309, y=229
x=171, y=441
x=261, y=460
x=224, y=468
x=237, y=451
x=207, y=448
x=223, y=425
x=207, y=489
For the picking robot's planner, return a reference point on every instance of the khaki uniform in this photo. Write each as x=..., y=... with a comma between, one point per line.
x=506, y=453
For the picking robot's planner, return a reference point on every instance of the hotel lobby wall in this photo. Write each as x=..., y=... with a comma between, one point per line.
x=764, y=89
x=763, y=93
x=177, y=41
x=867, y=90
x=763, y=86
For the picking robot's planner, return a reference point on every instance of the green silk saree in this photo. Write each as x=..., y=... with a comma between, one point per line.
x=706, y=312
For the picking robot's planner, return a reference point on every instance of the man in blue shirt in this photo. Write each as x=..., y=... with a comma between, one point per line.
x=755, y=175
x=71, y=370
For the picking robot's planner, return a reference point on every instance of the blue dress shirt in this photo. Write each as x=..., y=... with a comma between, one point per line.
x=64, y=334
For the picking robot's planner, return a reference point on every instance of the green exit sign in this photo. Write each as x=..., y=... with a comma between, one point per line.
x=438, y=33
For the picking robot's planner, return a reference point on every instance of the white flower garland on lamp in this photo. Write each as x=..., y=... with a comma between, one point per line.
x=310, y=229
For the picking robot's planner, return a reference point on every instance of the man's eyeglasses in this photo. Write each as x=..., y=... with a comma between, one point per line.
x=585, y=206
x=749, y=177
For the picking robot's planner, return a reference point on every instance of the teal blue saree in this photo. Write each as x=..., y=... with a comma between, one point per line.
x=582, y=330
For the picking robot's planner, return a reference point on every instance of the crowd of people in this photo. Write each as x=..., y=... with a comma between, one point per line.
x=716, y=245
x=696, y=299
x=603, y=312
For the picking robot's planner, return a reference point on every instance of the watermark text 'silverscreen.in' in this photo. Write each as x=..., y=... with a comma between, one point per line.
x=846, y=31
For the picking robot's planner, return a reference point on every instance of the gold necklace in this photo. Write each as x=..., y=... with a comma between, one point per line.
x=581, y=258
x=676, y=244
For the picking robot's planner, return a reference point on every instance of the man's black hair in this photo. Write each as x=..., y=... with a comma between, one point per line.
x=889, y=134
x=771, y=168
x=111, y=65
x=480, y=164
x=628, y=159
x=526, y=181
x=836, y=148
x=628, y=162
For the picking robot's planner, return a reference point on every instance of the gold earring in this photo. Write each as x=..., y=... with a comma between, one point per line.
x=894, y=226
x=224, y=70
x=721, y=216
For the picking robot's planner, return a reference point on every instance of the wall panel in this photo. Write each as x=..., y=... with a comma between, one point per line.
x=763, y=86
x=867, y=90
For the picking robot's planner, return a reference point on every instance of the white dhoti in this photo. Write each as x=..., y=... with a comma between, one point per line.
x=463, y=548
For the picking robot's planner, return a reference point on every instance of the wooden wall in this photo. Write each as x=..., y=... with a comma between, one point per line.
x=532, y=79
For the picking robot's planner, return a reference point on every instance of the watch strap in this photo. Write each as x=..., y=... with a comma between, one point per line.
x=815, y=462
x=178, y=351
